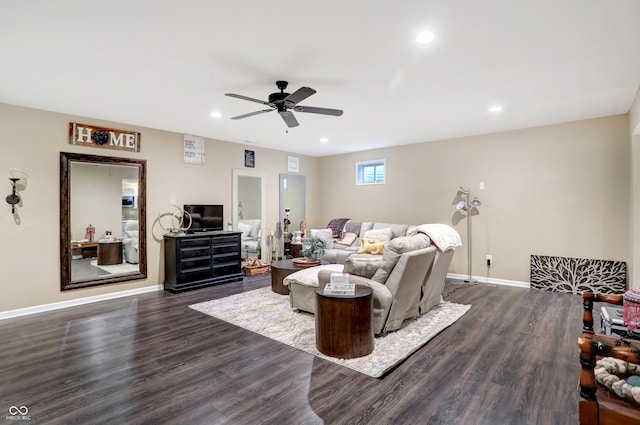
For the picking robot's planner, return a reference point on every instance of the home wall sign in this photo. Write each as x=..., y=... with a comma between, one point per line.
x=293, y=164
x=106, y=138
x=193, y=149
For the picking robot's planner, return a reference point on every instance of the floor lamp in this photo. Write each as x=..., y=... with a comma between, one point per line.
x=466, y=207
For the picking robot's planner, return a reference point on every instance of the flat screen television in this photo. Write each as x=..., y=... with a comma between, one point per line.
x=128, y=201
x=205, y=218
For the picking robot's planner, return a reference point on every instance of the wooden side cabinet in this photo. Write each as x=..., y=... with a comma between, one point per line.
x=201, y=259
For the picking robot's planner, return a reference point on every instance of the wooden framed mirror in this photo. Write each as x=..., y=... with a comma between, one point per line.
x=292, y=204
x=102, y=220
x=249, y=209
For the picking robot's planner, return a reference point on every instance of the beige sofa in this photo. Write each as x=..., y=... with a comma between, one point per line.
x=407, y=280
x=338, y=252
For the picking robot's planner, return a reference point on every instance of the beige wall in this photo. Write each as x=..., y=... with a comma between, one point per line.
x=556, y=190
x=634, y=116
x=249, y=197
x=634, y=243
x=96, y=199
x=293, y=197
x=32, y=140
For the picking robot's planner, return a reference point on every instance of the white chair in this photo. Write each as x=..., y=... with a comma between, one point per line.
x=130, y=241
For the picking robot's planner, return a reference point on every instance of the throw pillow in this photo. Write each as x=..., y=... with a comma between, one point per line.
x=131, y=233
x=348, y=239
x=369, y=247
x=325, y=234
x=309, y=276
x=397, y=230
x=353, y=227
x=395, y=249
x=255, y=229
x=378, y=235
x=245, y=229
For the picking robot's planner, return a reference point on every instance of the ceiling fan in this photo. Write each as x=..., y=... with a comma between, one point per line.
x=283, y=102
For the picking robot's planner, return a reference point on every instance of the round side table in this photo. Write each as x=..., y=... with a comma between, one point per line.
x=109, y=252
x=343, y=323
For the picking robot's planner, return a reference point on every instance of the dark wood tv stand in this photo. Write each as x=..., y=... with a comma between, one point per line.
x=201, y=259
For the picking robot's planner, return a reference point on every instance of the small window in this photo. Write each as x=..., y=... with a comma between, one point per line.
x=371, y=172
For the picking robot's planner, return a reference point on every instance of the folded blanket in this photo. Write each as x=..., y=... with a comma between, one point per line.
x=443, y=236
x=337, y=225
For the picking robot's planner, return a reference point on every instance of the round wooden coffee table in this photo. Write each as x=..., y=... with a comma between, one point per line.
x=343, y=323
x=280, y=270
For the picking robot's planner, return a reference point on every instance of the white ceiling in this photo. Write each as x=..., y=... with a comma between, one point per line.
x=167, y=64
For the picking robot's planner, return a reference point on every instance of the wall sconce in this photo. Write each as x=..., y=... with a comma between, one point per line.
x=13, y=199
x=466, y=207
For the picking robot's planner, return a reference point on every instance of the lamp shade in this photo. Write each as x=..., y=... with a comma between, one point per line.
x=631, y=304
x=476, y=203
x=462, y=191
x=16, y=173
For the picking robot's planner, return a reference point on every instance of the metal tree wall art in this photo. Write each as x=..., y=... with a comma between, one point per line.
x=577, y=275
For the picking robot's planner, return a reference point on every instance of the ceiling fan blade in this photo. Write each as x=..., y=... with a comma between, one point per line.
x=323, y=111
x=250, y=99
x=299, y=95
x=289, y=119
x=250, y=114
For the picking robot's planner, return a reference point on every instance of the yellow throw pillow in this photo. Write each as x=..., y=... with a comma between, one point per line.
x=370, y=247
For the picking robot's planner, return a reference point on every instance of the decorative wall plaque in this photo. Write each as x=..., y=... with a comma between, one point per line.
x=106, y=138
x=249, y=159
x=193, y=149
x=576, y=275
x=293, y=164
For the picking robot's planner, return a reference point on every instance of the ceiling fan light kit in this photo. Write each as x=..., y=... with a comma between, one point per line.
x=282, y=102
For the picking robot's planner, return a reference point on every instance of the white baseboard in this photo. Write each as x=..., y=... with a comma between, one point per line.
x=87, y=300
x=517, y=283
x=78, y=301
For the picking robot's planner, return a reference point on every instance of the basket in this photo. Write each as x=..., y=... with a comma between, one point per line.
x=255, y=267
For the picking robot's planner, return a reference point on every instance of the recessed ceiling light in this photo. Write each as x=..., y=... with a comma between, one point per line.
x=425, y=37
x=216, y=114
x=495, y=108
x=324, y=139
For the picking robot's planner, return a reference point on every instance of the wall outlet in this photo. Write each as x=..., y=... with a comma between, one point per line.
x=489, y=260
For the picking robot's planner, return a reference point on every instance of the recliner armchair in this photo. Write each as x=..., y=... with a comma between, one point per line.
x=251, y=235
x=397, y=279
x=398, y=299
x=130, y=241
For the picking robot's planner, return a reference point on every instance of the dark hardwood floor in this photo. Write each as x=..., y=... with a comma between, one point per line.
x=149, y=359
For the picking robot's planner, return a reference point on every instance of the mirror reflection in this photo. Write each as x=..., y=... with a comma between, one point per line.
x=248, y=212
x=102, y=220
x=292, y=209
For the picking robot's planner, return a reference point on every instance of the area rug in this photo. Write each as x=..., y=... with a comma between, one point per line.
x=117, y=268
x=269, y=314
